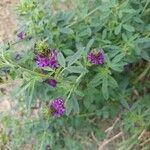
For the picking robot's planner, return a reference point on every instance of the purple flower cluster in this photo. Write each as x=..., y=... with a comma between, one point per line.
x=52, y=82
x=57, y=107
x=21, y=35
x=48, y=61
x=96, y=57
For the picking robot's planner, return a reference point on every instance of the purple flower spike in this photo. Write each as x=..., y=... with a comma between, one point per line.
x=48, y=61
x=57, y=107
x=52, y=82
x=21, y=35
x=96, y=57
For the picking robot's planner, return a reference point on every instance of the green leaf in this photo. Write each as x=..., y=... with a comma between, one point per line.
x=118, y=29
x=89, y=44
x=107, y=60
x=66, y=30
x=87, y=103
x=143, y=40
x=79, y=93
x=30, y=92
x=138, y=49
x=77, y=69
x=118, y=58
x=128, y=27
x=75, y=57
x=127, y=10
x=116, y=67
x=105, y=87
x=105, y=114
x=69, y=15
x=61, y=59
x=97, y=80
x=104, y=33
x=124, y=4
x=85, y=32
x=24, y=87
x=75, y=104
x=68, y=106
x=145, y=55
x=47, y=69
x=112, y=82
x=125, y=38
x=124, y=103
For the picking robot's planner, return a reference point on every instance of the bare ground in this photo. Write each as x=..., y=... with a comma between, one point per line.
x=7, y=19
x=7, y=28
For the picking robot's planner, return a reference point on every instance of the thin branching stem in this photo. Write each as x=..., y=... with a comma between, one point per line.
x=77, y=21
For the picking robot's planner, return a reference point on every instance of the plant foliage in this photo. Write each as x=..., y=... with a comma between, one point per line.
x=92, y=93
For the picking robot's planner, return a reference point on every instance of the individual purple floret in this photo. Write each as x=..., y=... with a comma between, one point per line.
x=21, y=35
x=48, y=61
x=42, y=61
x=126, y=67
x=57, y=107
x=53, y=63
x=96, y=57
x=52, y=82
x=18, y=57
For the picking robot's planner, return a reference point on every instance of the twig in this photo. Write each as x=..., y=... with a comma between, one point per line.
x=123, y=136
x=109, y=130
x=145, y=142
x=143, y=73
x=141, y=135
x=94, y=138
x=109, y=140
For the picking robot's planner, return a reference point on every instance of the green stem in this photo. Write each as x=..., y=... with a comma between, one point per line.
x=69, y=95
x=76, y=21
x=19, y=41
x=11, y=64
x=62, y=71
x=34, y=73
x=43, y=138
x=79, y=78
x=74, y=87
x=145, y=6
x=85, y=115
